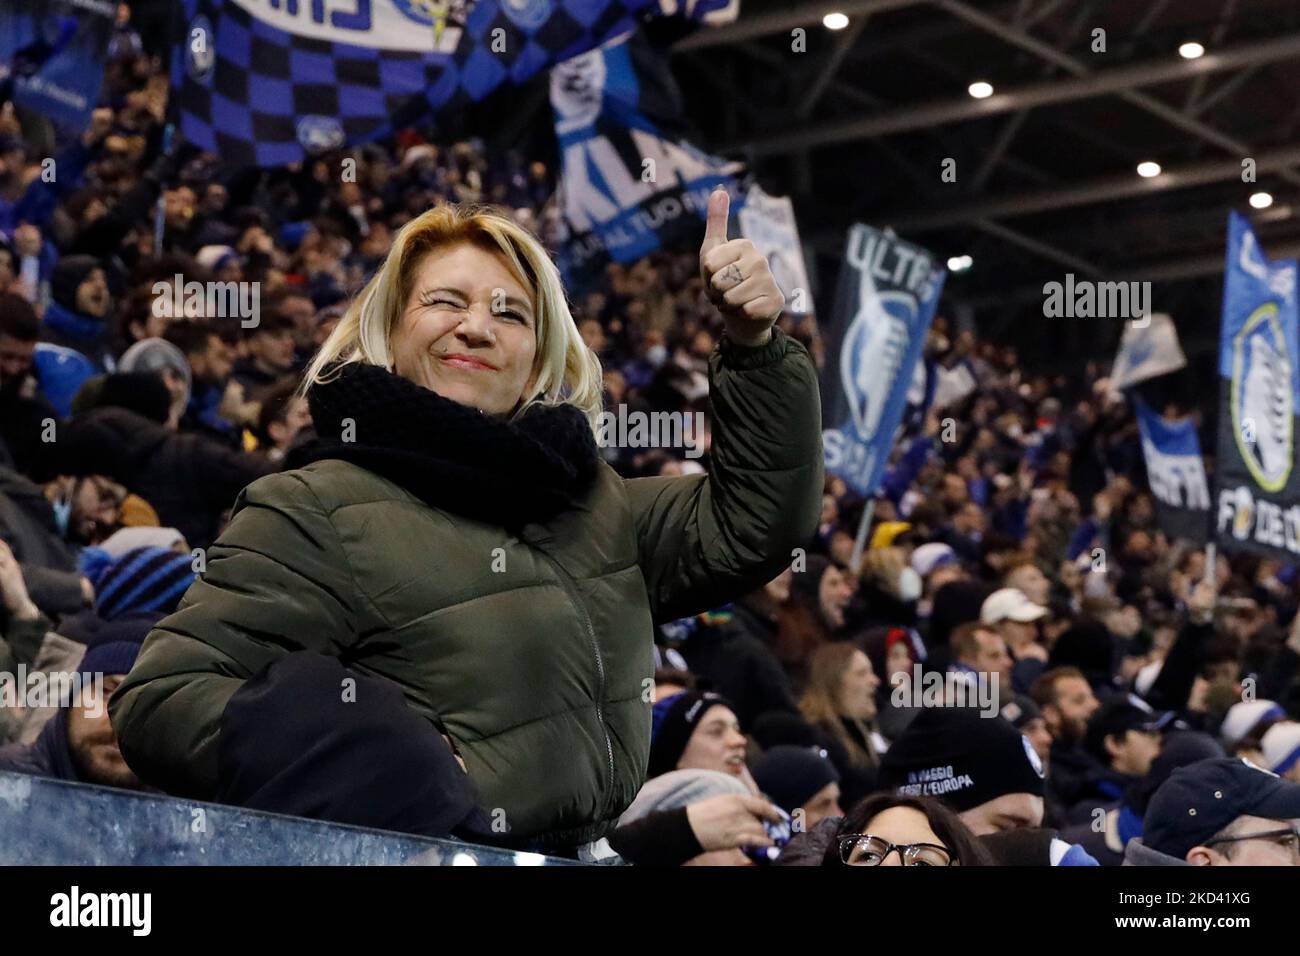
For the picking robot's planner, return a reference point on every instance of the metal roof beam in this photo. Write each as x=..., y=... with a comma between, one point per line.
x=1119, y=80
x=1104, y=189
x=783, y=21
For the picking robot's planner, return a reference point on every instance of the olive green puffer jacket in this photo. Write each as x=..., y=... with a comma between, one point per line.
x=534, y=655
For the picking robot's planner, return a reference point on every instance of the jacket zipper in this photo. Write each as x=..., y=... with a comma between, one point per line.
x=570, y=587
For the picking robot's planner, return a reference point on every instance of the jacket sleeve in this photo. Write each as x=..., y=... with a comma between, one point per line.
x=705, y=540
x=20, y=642
x=55, y=592
x=662, y=838
x=1173, y=685
x=277, y=581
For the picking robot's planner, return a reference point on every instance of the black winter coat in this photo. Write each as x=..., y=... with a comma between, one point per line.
x=190, y=480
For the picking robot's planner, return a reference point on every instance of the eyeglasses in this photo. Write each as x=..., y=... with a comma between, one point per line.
x=1286, y=836
x=863, y=849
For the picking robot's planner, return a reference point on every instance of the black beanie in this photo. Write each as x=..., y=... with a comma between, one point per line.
x=144, y=393
x=955, y=754
x=789, y=776
x=1087, y=645
x=782, y=727
x=673, y=721
x=67, y=277
x=957, y=602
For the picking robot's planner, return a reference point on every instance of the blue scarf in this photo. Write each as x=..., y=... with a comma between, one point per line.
x=74, y=325
x=1128, y=823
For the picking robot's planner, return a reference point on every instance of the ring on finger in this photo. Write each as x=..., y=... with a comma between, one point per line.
x=731, y=276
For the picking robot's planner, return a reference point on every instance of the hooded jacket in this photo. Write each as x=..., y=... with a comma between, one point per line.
x=536, y=671
x=190, y=480
x=48, y=756
x=49, y=563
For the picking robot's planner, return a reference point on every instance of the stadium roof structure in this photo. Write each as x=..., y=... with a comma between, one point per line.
x=856, y=129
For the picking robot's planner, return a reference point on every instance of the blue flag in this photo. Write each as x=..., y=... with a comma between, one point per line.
x=629, y=182
x=52, y=56
x=887, y=295
x=1175, y=472
x=266, y=82
x=1257, y=484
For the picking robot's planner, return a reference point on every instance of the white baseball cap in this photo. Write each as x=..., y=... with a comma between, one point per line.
x=1010, y=604
x=1244, y=717
x=930, y=556
x=1281, y=746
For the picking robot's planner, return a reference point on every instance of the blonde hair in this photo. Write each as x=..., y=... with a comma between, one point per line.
x=882, y=566
x=567, y=370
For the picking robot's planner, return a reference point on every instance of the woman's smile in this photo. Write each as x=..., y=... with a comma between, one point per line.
x=469, y=362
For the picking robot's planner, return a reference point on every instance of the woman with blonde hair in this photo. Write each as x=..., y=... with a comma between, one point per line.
x=839, y=700
x=455, y=543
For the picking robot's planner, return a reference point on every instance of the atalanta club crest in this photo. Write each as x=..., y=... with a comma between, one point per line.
x=320, y=133
x=1261, y=398
x=873, y=349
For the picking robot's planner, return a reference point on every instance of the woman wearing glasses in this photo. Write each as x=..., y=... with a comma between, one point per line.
x=889, y=830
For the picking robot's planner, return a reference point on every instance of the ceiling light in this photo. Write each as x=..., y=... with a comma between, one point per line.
x=980, y=89
x=835, y=21
x=1261, y=200
x=1148, y=169
x=960, y=263
x=1191, y=50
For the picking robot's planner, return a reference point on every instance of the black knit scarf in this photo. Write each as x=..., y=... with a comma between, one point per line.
x=452, y=456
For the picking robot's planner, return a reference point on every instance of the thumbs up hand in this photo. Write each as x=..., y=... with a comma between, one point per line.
x=738, y=279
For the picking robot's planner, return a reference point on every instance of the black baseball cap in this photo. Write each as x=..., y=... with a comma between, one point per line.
x=1199, y=800
x=1115, y=718
x=1020, y=711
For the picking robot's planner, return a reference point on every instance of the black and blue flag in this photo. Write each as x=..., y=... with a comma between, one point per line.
x=267, y=82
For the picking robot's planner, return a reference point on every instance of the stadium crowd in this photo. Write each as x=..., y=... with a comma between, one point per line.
x=1111, y=682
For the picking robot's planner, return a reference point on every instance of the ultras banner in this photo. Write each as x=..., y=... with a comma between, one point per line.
x=885, y=301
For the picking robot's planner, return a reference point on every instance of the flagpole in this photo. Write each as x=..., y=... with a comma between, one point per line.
x=860, y=543
x=171, y=113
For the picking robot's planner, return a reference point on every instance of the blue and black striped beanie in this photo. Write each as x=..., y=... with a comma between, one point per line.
x=143, y=579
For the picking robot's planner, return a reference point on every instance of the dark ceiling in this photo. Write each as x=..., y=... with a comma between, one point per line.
x=855, y=129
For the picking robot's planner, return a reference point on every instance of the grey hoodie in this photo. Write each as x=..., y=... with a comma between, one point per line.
x=1136, y=853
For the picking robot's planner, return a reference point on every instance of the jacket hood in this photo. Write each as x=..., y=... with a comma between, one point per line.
x=115, y=442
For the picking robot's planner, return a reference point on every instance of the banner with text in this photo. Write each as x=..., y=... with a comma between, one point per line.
x=886, y=298
x=629, y=183
x=1176, y=473
x=52, y=56
x=768, y=222
x=1257, y=486
x=267, y=82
